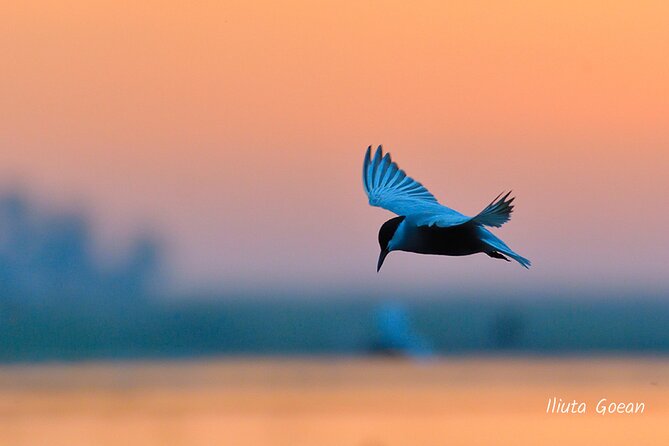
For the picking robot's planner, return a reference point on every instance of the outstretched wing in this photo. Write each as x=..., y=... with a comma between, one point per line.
x=389, y=187
x=496, y=213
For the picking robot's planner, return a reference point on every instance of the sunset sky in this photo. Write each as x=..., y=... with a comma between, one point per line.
x=238, y=129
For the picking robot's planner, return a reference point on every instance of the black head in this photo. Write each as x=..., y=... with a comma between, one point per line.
x=386, y=234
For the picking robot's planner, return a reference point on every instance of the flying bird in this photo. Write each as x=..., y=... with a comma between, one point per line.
x=425, y=226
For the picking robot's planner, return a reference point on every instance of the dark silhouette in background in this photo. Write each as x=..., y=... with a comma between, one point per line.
x=50, y=256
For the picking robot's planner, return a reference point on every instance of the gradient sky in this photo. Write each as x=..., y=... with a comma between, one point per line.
x=237, y=129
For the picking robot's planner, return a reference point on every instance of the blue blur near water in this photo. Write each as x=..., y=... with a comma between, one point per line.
x=255, y=326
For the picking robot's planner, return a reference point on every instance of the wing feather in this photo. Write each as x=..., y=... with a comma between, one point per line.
x=389, y=187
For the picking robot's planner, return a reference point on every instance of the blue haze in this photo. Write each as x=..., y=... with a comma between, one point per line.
x=58, y=301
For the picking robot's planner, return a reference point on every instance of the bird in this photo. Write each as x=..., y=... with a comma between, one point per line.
x=425, y=226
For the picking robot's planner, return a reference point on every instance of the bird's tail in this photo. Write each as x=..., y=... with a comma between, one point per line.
x=499, y=246
x=497, y=212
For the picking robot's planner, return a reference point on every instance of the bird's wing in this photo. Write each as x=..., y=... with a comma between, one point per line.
x=496, y=213
x=389, y=187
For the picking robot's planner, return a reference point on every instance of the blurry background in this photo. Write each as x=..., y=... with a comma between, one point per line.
x=191, y=161
x=183, y=180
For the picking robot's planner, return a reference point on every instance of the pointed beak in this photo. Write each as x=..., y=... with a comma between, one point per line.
x=382, y=257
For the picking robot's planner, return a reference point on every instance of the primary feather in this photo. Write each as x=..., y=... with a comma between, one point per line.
x=389, y=187
x=496, y=213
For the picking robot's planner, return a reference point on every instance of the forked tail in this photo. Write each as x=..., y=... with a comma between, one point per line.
x=499, y=246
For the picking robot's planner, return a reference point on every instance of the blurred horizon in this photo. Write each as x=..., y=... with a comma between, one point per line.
x=62, y=299
x=73, y=245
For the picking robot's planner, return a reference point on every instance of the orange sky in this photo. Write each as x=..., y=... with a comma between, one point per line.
x=238, y=129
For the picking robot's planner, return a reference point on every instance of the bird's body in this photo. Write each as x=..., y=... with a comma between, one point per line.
x=460, y=240
x=424, y=226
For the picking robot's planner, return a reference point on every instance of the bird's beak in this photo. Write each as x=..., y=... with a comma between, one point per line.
x=382, y=257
